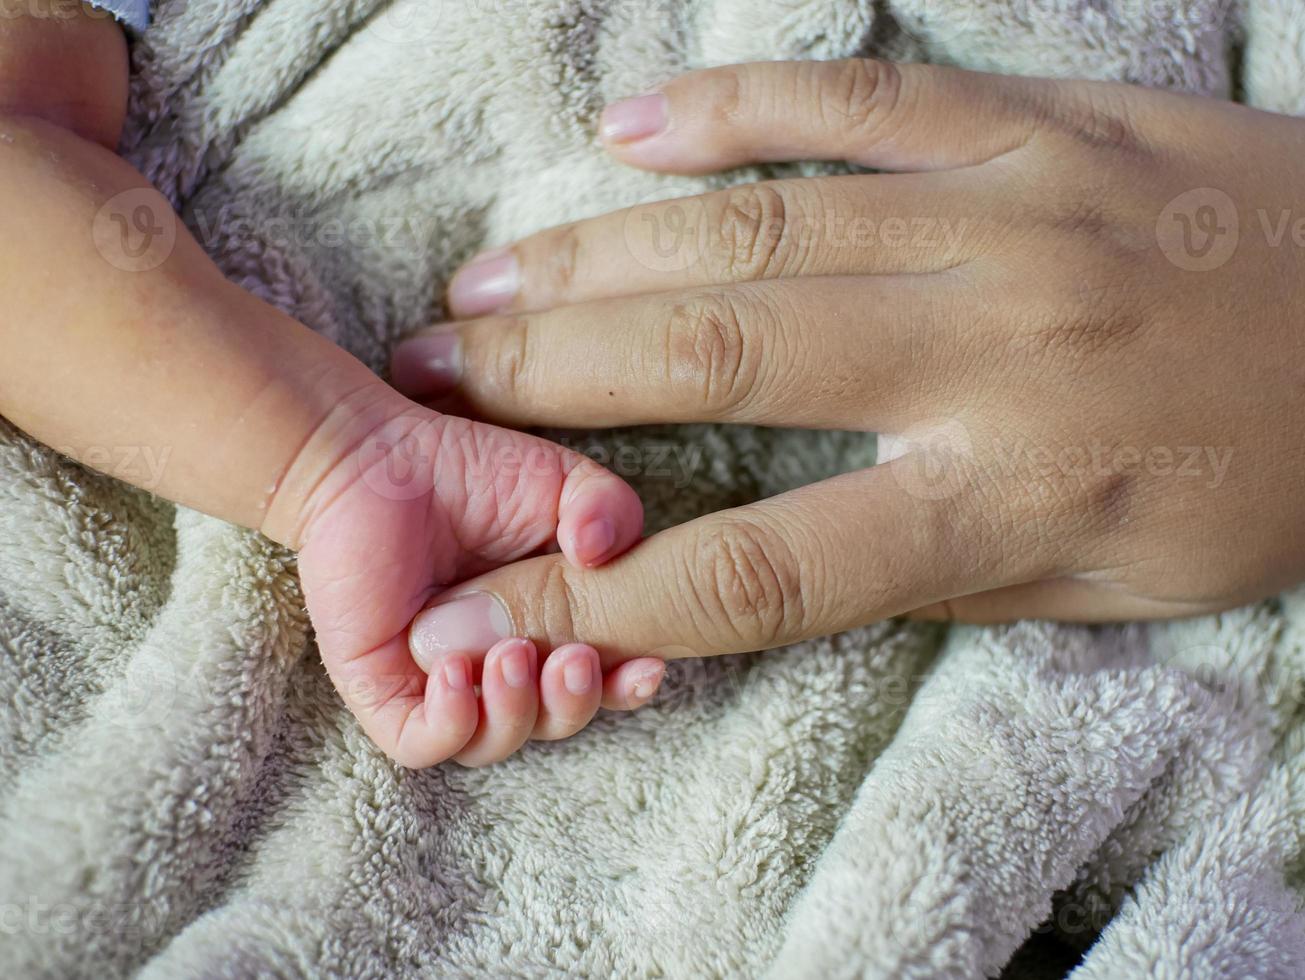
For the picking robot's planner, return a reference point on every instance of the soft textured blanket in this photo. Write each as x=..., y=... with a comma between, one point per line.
x=181, y=793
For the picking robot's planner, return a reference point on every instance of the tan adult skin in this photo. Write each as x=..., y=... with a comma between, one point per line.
x=1093, y=397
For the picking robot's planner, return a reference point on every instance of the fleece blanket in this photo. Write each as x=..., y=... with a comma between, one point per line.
x=182, y=795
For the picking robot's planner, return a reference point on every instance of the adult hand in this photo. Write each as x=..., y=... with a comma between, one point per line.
x=1074, y=312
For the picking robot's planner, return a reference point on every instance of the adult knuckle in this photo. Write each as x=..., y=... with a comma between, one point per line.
x=1075, y=320
x=1065, y=495
x=754, y=233
x=710, y=355
x=1084, y=215
x=1110, y=127
x=1100, y=116
x=504, y=372
x=1106, y=323
x=562, y=251
x=862, y=94
x=732, y=93
x=561, y=606
x=1062, y=333
x=1089, y=501
x=747, y=585
x=547, y=601
x=1107, y=498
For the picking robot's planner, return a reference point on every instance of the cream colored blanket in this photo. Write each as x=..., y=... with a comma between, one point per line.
x=181, y=794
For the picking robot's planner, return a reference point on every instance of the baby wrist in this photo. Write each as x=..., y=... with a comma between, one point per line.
x=333, y=454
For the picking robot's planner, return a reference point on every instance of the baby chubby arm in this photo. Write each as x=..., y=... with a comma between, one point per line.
x=111, y=346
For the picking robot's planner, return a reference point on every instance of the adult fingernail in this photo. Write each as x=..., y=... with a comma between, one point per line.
x=457, y=673
x=514, y=662
x=471, y=624
x=594, y=540
x=635, y=119
x=430, y=364
x=578, y=673
x=645, y=685
x=486, y=284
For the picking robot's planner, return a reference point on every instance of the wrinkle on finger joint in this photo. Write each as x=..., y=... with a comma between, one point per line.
x=710, y=356
x=755, y=234
x=746, y=586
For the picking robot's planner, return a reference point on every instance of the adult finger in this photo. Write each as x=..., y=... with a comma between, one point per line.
x=825, y=558
x=813, y=227
x=830, y=352
x=874, y=113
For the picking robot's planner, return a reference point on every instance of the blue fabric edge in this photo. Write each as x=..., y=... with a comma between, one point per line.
x=134, y=13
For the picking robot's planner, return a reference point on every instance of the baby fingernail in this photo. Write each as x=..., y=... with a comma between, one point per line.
x=594, y=540
x=486, y=284
x=514, y=662
x=578, y=674
x=428, y=365
x=646, y=685
x=466, y=625
x=635, y=119
x=457, y=673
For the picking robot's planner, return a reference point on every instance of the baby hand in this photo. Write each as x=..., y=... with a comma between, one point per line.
x=418, y=501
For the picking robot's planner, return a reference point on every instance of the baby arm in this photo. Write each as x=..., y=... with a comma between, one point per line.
x=266, y=424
